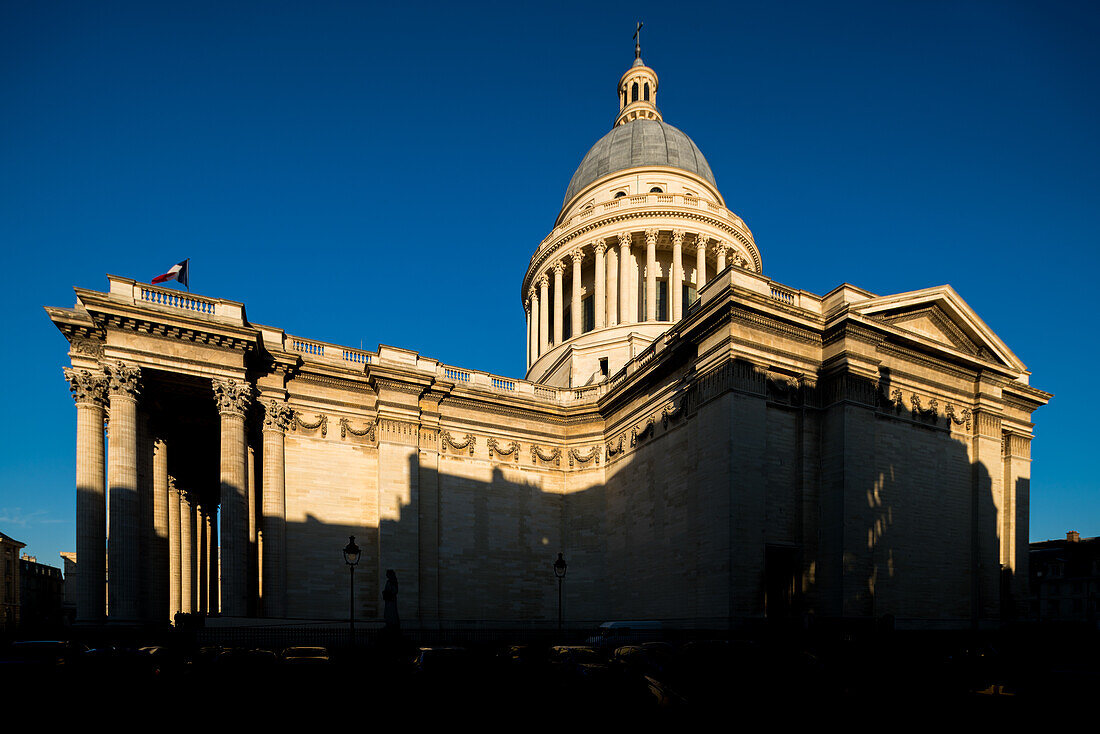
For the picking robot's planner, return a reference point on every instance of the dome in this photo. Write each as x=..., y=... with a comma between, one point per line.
x=639, y=143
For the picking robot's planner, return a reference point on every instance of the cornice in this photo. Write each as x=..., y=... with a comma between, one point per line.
x=339, y=383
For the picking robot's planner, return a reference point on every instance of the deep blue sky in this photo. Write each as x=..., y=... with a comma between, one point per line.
x=357, y=173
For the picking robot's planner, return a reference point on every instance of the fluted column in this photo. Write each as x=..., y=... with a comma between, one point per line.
x=187, y=554
x=276, y=420
x=599, y=282
x=559, y=303
x=124, y=532
x=533, y=295
x=720, y=250
x=89, y=391
x=575, y=310
x=159, y=595
x=202, y=561
x=233, y=398
x=626, y=314
x=175, y=551
x=544, y=314
x=213, y=603
x=700, y=262
x=676, y=277
x=527, y=316
x=612, y=287
x=651, y=274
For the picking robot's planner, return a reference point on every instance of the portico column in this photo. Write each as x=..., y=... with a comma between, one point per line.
x=559, y=303
x=159, y=595
x=720, y=249
x=89, y=391
x=651, y=274
x=676, y=278
x=575, y=310
x=276, y=420
x=214, y=577
x=202, y=561
x=612, y=287
x=700, y=262
x=625, y=315
x=124, y=533
x=187, y=554
x=599, y=281
x=544, y=314
x=175, y=554
x=233, y=398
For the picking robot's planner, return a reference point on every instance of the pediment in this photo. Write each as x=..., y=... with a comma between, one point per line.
x=942, y=316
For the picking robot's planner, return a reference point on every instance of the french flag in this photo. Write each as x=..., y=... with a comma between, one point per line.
x=178, y=272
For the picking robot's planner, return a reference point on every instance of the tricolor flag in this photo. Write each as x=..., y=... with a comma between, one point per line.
x=178, y=272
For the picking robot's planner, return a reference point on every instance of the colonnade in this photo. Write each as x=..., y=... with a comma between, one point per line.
x=615, y=290
x=149, y=546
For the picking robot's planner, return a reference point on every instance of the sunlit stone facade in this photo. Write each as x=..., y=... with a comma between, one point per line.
x=706, y=446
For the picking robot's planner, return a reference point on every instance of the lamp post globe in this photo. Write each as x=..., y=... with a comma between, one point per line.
x=351, y=558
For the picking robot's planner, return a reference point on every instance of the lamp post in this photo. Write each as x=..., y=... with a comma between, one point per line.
x=351, y=558
x=560, y=567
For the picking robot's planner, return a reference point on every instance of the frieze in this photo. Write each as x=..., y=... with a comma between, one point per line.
x=511, y=412
x=91, y=347
x=231, y=396
x=552, y=457
x=495, y=447
x=410, y=388
x=321, y=422
x=645, y=432
x=930, y=414
x=671, y=412
x=367, y=430
x=339, y=383
x=856, y=332
x=774, y=326
x=614, y=449
x=221, y=342
x=88, y=388
x=592, y=455
x=960, y=420
x=468, y=442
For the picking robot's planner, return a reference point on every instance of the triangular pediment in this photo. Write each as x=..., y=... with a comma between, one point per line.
x=942, y=316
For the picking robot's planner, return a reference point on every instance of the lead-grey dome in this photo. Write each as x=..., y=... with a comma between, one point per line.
x=639, y=143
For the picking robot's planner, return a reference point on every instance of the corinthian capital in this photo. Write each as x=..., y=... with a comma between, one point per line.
x=544, y=281
x=720, y=247
x=88, y=388
x=651, y=237
x=124, y=379
x=701, y=241
x=599, y=247
x=232, y=397
x=577, y=255
x=678, y=236
x=277, y=416
x=624, y=239
x=558, y=267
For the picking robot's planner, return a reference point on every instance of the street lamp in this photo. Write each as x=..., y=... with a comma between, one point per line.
x=560, y=567
x=351, y=558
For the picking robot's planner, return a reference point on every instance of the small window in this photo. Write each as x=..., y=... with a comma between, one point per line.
x=588, y=314
x=689, y=297
x=603, y=366
x=634, y=92
x=620, y=194
x=647, y=91
x=656, y=190
x=567, y=323
x=662, y=300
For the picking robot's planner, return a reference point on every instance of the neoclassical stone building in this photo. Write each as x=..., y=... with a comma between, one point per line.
x=706, y=446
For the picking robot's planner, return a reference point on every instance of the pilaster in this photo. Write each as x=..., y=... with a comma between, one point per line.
x=277, y=415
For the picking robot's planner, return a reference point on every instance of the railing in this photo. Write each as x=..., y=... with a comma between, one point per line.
x=546, y=392
x=584, y=393
x=306, y=347
x=783, y=295
x=457, y=375
x=502, y=384
x=354, y=355
x=175, y=299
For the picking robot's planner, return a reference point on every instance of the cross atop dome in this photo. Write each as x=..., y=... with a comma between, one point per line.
x=638, y=89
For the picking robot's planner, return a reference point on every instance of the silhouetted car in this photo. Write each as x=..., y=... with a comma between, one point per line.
x=40, y=654
x=305, y=656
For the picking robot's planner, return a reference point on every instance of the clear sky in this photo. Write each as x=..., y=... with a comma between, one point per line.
x=357, y=173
